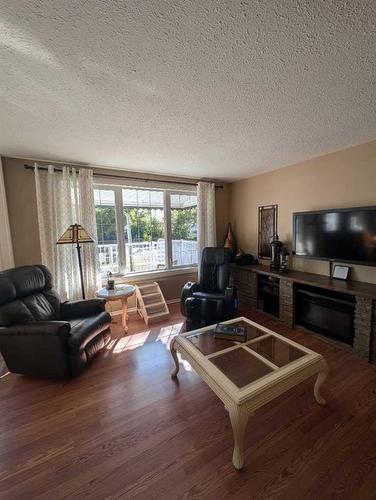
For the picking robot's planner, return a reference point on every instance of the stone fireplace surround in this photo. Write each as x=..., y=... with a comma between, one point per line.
x=364, y=346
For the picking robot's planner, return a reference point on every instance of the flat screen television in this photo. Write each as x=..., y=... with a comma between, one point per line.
x=344, y=234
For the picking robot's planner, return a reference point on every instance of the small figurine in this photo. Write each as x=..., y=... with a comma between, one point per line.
x=230, y=242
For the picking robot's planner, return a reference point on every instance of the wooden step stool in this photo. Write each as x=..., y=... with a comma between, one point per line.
x=151, y=304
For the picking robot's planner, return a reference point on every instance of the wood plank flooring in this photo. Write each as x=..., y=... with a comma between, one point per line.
x=124, y=429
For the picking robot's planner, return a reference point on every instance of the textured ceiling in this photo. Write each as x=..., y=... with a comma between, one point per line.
x=217, y=89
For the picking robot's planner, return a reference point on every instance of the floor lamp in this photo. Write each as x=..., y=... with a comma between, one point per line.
x=74, y=235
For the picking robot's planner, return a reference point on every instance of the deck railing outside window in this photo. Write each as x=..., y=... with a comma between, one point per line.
x=147, y=255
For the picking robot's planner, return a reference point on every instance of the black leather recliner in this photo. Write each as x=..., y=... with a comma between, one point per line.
x=212, y=299
x=41, y=336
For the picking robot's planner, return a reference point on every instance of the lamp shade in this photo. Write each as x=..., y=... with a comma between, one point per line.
x=75, y=234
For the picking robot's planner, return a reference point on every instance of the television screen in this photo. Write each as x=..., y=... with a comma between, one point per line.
x=347, y=235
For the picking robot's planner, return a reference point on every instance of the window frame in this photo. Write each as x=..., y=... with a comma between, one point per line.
x=120, y=220
x=170, y=192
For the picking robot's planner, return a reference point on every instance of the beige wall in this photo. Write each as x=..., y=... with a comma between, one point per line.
x=342, y=179
x=21, y=197
x=22, y=207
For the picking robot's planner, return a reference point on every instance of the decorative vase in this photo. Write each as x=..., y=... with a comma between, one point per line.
x=230, y=241
x=276, y=247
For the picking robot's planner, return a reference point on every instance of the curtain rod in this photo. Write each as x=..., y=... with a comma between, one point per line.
x=217, y=186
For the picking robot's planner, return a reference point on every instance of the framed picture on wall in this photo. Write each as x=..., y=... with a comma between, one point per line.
x=267, y=228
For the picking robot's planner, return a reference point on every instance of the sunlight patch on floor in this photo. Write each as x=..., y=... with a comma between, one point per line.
x=168, y=332
x=133, y=341
x=165, y=336
x=128, y=342
x=187, y=367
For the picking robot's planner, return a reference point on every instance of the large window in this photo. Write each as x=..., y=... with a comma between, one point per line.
x=141, y=230
x=183, y=228
x=106, y=230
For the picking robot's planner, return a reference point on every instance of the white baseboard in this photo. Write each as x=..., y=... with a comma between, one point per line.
x=133, y=309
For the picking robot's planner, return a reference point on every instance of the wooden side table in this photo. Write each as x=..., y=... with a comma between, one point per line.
x=121, y=292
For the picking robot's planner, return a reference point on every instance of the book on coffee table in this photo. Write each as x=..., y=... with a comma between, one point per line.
x=225, y=331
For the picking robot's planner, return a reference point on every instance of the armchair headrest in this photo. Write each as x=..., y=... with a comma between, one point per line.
x=215, y=269
x=23, y=281
x=26, y=295
x=215, y=255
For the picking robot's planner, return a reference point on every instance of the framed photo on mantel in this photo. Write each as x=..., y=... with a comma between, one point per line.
x=267, y=228
x=340, y=272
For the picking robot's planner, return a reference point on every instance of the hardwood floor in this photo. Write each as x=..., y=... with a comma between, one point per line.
x=125, y=429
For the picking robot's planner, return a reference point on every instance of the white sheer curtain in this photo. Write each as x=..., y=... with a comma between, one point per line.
x=6, y=249
x=65, y=198
x=206, y=231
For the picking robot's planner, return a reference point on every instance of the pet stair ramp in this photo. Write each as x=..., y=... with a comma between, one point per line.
x=151, y=304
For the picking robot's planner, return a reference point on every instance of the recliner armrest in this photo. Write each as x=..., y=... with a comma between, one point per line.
x=37, y=328
x=188, y=289
x=82, y=308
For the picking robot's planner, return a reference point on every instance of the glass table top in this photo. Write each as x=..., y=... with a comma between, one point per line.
x=207, y=344
x=277, y=351
x=241, y=367
x=245, y=362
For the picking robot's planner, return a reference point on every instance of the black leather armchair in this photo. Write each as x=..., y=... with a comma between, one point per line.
x=212, y=299
x=41, y=336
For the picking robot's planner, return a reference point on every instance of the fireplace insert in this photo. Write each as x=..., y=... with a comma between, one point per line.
x=326, y=312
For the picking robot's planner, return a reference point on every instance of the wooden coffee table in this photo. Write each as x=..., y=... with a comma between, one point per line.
x=245, y=376
x=120, y=292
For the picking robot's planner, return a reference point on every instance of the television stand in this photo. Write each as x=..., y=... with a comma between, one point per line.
x=359, y=298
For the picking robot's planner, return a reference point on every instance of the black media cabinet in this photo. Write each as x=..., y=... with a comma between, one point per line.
x=342, y=310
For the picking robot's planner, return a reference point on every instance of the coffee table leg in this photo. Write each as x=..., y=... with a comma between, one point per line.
x=322, y=376
x=174, y=354
x=239, y=420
